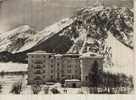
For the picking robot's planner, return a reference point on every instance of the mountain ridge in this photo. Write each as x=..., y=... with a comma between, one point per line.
x=85, y=31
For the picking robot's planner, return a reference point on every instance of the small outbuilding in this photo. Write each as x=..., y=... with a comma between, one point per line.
x=72, y=83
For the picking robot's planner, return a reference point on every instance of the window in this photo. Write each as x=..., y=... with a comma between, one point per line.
x=86, y=78
x=75, y=66
x=57, y=64
x=62, y=71
x=51, y=77
x=38, y=62
x=38, y=72
x=43, y=71
x=51, y=66
x=44, y=76
x=57, y=74
x=37, y=67
x=72, y=76
x=51, y=71
x=69, y=71
x=69, y=76
x=37, y=56
x=69, y=66
x=68, y=61
x=37, y=78
x=49, y=56
x=62, y=75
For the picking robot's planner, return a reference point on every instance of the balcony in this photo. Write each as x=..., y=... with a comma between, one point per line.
x=38, y=72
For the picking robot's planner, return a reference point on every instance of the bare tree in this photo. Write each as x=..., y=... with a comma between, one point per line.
x=16, y=88
x=36, y=89
x=0, y=87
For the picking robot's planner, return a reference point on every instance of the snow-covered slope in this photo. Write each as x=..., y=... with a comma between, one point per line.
x=122, y=57
x=13, y=40
x=46, y=34
x=24, y=38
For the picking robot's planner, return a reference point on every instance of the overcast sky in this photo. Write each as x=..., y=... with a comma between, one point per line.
x=41, y=13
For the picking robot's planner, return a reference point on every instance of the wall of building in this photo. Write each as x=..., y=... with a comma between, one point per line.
x=52, y=67
x=40, y=67
x=71, y=68
x=35, y=68
x=86, y=68
x=58, y=67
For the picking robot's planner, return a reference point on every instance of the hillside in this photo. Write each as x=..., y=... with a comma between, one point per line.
x=121, y=56
x=24, y=37
x=13, y=40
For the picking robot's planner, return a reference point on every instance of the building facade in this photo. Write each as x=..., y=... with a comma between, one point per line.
x=40, y=67
x=87, y=63
x=50, y=67
x=71, y=66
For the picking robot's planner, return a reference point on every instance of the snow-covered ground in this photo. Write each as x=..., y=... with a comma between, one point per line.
x=7, y=81
x=13, y=67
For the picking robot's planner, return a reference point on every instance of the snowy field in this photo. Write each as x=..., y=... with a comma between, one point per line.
x=13, y=67
x=7, y=81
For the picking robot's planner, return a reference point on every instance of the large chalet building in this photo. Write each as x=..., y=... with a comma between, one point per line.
x=50, y=67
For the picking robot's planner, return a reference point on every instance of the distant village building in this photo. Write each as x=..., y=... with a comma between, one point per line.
x=50, y=67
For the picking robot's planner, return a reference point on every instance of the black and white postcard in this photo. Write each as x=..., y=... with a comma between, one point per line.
x=64, y=47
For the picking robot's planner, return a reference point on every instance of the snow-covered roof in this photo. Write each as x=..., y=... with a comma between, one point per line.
x=72, y=80
x=91, y=55
x=58, y=55
x=40, y=52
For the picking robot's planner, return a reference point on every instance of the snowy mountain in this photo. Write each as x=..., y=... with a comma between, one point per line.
x=13, y=40
x=24, y=37
x=87, y=30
